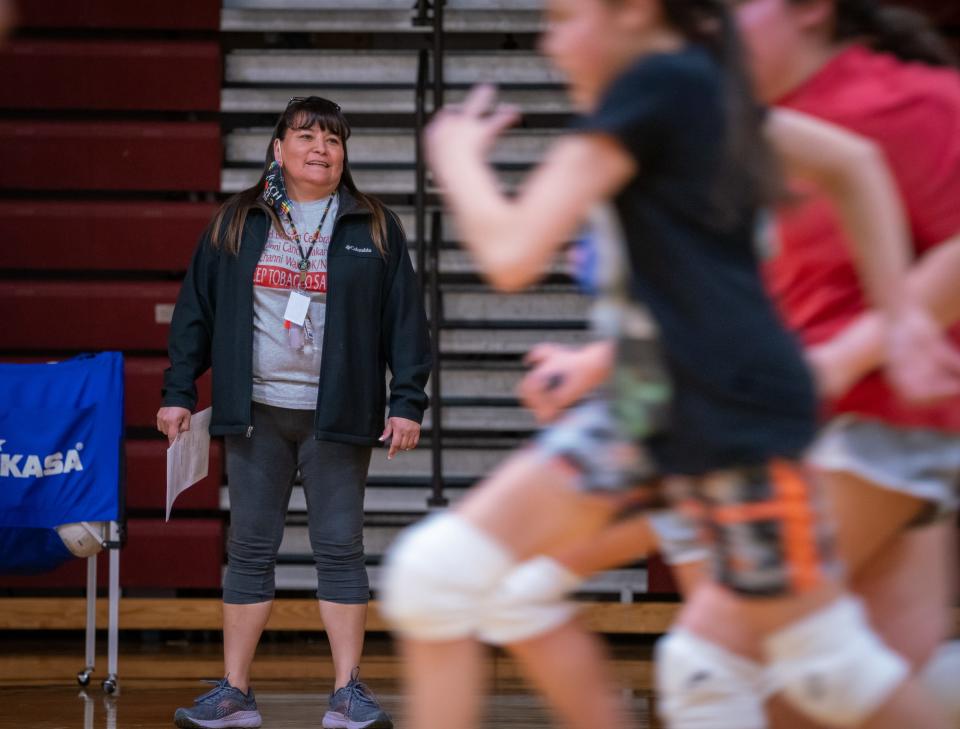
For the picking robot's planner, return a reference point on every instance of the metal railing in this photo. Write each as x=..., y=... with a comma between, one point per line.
x=437, y=498
x=420, y=195
x=439, y=53
x=423, y=12
x=428, y=248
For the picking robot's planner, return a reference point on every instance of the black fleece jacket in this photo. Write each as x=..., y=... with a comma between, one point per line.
x=374, y=319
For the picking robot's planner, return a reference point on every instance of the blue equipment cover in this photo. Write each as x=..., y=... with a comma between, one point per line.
x=31, y=551
x=61, y=437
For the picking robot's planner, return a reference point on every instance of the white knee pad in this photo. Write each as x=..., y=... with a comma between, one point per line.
x=832, y=667
x=941, y=678
x=703, y=686
x=530, y=600
x=439, y=578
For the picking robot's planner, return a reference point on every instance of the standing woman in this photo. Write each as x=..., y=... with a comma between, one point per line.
x=299, y=297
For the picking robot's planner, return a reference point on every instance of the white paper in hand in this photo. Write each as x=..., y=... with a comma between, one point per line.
x=188, y=459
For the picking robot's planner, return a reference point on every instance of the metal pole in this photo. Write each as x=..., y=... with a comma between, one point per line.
x=87, y=710
x=91, y=615
x=438, y=53
x=421, y=17
x=113, y=626
x=437, y=498
x=420, y=203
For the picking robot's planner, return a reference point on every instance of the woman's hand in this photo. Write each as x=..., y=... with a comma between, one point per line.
x=561, y=376
x=834, y=373
x=922, y=363
x=405, y=435
x=173, y=421
x=467, y=131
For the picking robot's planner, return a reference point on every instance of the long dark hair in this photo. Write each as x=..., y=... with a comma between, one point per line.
x=226, y=229
x=906, y=33
x=751, y=174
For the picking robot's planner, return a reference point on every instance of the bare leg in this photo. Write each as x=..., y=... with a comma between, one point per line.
x=345, y=626
x=908, y=706
x=532, y=506
x=911, y=705
x=619, y=543
x=916, y=563
x=443, y=683
x=890, y=569
x=858, y=539
x=908, y=588
x=738, y=624
x=567, y=665
x=242, y=627
x=529, y=507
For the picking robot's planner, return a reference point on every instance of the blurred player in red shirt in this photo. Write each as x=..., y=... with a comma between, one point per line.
x=892, y=467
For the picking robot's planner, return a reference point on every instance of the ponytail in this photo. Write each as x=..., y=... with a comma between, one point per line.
x=906, y=33
x=751, y=175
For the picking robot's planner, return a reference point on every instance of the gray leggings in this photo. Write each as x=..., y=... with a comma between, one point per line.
x=260, y=474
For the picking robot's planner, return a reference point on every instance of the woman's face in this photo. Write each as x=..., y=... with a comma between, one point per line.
x=776, y=34
x=580, y=40
x=312, y=161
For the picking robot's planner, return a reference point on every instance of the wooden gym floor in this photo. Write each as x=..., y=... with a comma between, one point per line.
x=292, y=677
x=282, y=707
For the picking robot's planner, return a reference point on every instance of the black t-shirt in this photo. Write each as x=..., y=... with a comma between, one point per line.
x=742, y=392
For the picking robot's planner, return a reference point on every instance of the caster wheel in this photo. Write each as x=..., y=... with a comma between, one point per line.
x=83, y=677
x=109, y=685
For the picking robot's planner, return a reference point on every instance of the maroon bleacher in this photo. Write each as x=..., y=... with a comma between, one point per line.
x=101, y=100
x=100, y=236
x=146, y=156
x=180, y=554
x=121, y=14
x=659, y=577
x=143, y=377
x=147, y=479
x=101, y=75
x=146, y=459
x=88, y=315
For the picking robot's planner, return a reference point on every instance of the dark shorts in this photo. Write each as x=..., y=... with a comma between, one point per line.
x=589, y=438
x=766, y=529
x=762, y=527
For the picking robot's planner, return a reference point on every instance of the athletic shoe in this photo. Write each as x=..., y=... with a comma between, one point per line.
x=355, y=707
x=223, y=707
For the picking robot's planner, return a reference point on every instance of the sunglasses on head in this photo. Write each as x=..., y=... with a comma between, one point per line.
x=313, y=101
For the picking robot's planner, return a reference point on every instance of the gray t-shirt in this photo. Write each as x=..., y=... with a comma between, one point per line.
x=282, y=376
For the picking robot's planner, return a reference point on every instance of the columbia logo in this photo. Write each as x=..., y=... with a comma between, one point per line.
x=356, y=249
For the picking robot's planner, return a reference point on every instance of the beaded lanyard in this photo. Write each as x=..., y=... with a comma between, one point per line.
x=275, y=195
x=304, y=264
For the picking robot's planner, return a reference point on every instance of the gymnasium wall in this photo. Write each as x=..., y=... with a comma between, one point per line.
x=110, y=157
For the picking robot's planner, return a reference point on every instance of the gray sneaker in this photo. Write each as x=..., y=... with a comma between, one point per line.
x=222, y=707
x=355, y=707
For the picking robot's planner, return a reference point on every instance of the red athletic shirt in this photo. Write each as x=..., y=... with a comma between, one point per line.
x=912, y=112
